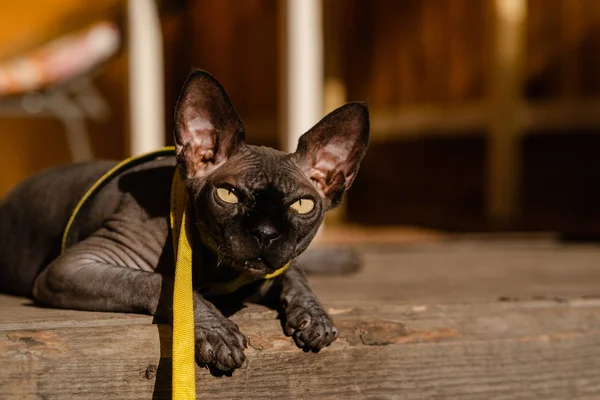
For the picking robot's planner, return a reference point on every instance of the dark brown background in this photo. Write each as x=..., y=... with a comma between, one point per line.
x=392, y=54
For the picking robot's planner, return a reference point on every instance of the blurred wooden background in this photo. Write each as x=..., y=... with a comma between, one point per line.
x=398, y=56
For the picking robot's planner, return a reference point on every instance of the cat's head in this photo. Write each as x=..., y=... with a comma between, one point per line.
x=257, y=207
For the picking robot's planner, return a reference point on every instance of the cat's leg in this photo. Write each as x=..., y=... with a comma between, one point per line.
x=81, y=281
x=302, y=315
x=219, y=342
x=95, y=275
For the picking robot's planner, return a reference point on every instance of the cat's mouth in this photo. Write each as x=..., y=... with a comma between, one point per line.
x=258, y=267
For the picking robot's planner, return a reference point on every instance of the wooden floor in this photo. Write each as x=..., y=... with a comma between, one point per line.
x=442, y=318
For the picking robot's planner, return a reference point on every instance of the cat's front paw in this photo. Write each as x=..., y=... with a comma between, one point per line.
x=309, y=325
x=219, y=345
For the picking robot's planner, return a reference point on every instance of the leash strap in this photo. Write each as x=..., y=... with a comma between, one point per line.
x=184, y=366
x=184, y=372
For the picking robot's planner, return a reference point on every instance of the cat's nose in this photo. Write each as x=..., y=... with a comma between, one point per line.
x=265, y=234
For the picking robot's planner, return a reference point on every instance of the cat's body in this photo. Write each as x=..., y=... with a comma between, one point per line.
x=255, y=209
x=39, y=205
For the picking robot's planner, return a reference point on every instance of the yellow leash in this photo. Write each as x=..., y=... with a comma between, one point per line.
x=184, y=372
x=184, y=377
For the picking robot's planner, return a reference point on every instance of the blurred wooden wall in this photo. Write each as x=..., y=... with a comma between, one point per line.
x=563, y=39
x=398, y=55
x=237, y=42
x=561, y=185
x=395, y=55
x=411, y=51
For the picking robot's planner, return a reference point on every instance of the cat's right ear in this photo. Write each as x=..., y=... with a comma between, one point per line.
x=208, y=131
x=330, y=152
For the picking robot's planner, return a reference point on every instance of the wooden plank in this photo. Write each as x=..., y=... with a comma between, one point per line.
x=419, y=267
x=466, y=271
x=475, y=317
x=467, y=40
x=531, y=349
x=457, y=120
x=563, y=115
x=17, y=313
x=394, y=123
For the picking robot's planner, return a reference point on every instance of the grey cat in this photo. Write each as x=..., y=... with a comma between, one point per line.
x=255, y=209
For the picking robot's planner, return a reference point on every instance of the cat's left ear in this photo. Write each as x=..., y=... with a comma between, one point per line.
x=208, y=131
x=330, y=152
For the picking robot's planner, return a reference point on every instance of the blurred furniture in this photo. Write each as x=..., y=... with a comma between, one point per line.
x=146, y=79
x=48, y=71
x=302, y=67
x=55, y=80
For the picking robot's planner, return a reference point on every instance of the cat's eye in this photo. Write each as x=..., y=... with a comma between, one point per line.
x=303, y=206
x=227, y=195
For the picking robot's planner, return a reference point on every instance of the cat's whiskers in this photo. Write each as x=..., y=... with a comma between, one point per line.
x=219, y=259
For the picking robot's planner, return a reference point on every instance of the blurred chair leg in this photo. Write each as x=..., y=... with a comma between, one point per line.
x=505, y=131
x=302, y=97
x=89, y=99
x=146, y=81
x=74, y=121
x=304, y=66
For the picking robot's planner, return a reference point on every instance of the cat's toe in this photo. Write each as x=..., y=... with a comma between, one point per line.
x=204, y=352
x=311, y=329
x=316, y=337
x=220, y=348
x=227, y=359
x=296, y=323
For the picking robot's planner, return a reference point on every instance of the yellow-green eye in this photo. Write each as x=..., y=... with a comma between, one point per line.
x=303, y=206
x=227, y=195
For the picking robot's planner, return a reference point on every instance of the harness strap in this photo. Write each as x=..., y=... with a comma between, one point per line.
x=114, y=171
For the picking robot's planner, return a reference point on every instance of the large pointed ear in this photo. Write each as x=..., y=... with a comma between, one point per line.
x=330, y=153
x=208, y=131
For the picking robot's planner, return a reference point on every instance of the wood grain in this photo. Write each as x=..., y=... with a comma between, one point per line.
x=466, y=319
x=497, y=350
